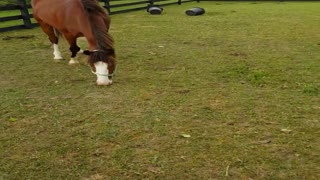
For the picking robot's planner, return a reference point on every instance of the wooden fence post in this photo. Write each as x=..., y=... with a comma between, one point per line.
x=107, y=5
x=24, y=13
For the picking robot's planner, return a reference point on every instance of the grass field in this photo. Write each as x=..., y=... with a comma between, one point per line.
x=232, y=94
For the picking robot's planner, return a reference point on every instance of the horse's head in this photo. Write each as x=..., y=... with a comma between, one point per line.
x=103, y=65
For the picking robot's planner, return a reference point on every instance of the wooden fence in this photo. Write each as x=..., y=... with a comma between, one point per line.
x=26, y=17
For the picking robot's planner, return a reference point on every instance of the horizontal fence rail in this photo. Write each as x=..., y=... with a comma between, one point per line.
x=24, y=8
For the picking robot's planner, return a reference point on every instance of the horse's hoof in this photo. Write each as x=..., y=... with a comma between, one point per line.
x=58, y=58
x=73, y=62
x=104, y=83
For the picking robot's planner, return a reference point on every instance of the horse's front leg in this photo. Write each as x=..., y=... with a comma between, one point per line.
x=74, y=48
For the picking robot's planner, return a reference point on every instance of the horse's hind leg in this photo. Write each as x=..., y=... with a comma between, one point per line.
x=56, y=51
x=53, y=37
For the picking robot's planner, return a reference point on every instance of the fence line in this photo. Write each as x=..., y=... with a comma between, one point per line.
x=26, y=17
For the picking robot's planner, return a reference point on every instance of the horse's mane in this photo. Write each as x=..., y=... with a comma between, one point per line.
x=100, y=30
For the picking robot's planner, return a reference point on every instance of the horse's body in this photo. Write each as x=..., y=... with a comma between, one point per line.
x=77, y=18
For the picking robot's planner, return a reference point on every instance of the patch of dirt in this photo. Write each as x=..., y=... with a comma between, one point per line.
x=239, y=54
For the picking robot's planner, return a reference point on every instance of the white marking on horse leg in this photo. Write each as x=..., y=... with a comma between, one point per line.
x=81, y=51
x=73, y=61
x=56, y=52
x=102, y=73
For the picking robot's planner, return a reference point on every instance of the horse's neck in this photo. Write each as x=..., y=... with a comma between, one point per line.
x=92, y=44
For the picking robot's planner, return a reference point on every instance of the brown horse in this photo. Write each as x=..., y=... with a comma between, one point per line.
x=79, y=18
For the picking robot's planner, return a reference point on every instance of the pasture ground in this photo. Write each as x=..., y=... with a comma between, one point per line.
x=232, y=94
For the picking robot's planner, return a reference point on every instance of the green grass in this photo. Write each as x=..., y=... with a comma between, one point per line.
x=242, y=80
